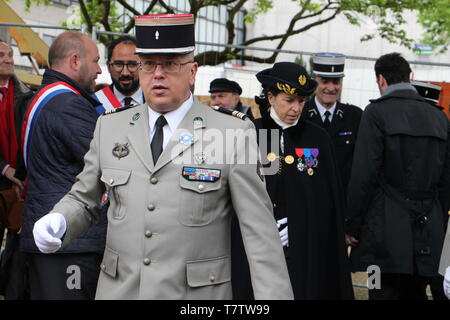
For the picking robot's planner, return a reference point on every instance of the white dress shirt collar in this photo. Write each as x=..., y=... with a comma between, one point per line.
x=137, y=97
x=173, y=118
x=322, y=110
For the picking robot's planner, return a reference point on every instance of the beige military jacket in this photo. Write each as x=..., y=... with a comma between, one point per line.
x=168, y=230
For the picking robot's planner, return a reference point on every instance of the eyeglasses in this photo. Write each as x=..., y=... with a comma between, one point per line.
x=118, y=66
x=167, y=66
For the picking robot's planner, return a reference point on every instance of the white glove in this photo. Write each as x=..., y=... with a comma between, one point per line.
x=447, y=282
x=284, y=232
x=48, y=232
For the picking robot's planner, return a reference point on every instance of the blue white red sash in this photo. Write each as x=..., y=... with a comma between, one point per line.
x=38, y=102
x=108, y=100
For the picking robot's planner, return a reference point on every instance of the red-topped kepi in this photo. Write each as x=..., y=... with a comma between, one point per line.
x=165, y=33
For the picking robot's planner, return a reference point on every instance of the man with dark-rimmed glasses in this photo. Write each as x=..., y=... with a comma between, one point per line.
x=123, y=65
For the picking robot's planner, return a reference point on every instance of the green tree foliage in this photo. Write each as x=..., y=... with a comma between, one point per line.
x=435, y=17
x=388, y=15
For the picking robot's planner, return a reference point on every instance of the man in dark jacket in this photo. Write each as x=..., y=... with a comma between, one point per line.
x=340, y=120
x=227, y=93
x=399, y=186
x=14, y=98
x=57, y=131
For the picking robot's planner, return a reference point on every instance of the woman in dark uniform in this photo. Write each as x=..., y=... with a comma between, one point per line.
x=306, y=194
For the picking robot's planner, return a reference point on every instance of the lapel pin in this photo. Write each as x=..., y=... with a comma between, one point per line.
x=186, y=139
x=200, y=157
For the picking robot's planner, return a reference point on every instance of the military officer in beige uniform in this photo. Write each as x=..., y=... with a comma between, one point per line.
x=170, y=204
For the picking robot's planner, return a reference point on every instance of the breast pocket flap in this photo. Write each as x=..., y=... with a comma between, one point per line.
x=208, y=272
x=115, y=177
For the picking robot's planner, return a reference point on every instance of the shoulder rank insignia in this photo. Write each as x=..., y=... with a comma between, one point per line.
x=234, y=113
x=312, y=112
x=119, y=109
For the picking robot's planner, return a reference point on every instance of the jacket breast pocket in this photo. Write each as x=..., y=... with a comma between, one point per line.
x=345, y=140
x=209, y=279
x=117, y=188
x=197, y=202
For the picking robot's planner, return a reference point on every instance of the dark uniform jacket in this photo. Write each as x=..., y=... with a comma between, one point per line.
x=400, y=185
x=60, y=138
x=343, y=132
x=22, y=96
x=314, y=205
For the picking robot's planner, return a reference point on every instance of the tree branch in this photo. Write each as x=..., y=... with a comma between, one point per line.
x=128, y=7
x=165, y=6
x=104, y=20
x=130, y=24
x=86, y=16
x=272, y=58
x=230, y=22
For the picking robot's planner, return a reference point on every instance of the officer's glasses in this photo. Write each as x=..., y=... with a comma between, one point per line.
x=118, y=66
x=167, y=66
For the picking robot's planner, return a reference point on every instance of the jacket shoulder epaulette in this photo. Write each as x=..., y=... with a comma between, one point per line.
x=233, y=113
x=119, y=109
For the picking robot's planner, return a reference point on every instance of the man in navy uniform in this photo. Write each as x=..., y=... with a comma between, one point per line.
x=340, y=120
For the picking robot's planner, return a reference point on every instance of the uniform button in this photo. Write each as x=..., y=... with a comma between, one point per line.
x=212, y=278
x=154, y=180
x=274, y=205
x=151, y=207
x=347, y=142
x=148, y=233
x=147, y=261
x=103, y=267
x=201, y=187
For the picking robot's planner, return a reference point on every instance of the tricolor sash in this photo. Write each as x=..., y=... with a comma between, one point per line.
x=108, y=100
x=38, y=102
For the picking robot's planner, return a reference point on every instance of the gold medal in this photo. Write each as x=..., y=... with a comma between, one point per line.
x=271, y=157
x=289, y=159
x=310, y=171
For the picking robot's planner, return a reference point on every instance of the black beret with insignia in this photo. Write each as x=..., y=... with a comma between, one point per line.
x=288, y=77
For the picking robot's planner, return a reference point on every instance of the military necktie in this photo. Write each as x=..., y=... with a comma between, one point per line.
x=326, y=122
x=158, y=138
x=127, y=101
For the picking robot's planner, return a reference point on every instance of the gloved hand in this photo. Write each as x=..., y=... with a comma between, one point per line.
x=283, y=232
x=48, y=232
x=447, y=282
